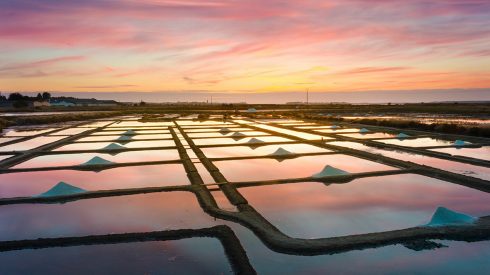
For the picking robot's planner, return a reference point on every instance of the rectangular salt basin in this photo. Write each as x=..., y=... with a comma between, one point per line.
x=129, y=124
x=338, y=130
x=418, y=142
x=151, y=257
x=202, y=122
x=138, y=132
x=269, y=169
x=369, y=135
x=119, y=214
x=2, y=157
x=446, y=165
x=215, y=130
x=240, y=151
x=101, y=145
x=30, y=144
x=315, y=210
x=7, y=139
x=78, y=159
x=133, y=137
x=27, y=184
x=229, y=134
x=215, y=141
x=72, y=131
x=10, y=132
x=477, y=153
x=298, y=134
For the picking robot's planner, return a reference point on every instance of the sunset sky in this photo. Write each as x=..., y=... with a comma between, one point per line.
x=244, y=46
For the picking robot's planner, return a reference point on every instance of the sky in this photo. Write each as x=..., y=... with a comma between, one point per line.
x=245, y=47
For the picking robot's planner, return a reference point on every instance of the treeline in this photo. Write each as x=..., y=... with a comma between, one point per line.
x=19, y=100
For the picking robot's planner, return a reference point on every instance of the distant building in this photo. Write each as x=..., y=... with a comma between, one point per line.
x=41, y=104
x=70, y=102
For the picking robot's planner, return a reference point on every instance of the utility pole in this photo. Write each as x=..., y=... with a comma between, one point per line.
x=307, y=96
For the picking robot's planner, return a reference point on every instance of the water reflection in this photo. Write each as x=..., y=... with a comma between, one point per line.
x=267, y=169
x=77, y=159
x=33, y=183
x=240, y=151
x=134, y=213
x=313, y=210
x=478, y=153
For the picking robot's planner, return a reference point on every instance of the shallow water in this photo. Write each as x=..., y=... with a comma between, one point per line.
x=33, y=183
x=418, y=142
x=447, y=165
x=477, y=153
x=240, y=151
x=216, y=141
x=133, y=137
x=77, y=159
x=30, y=144
x=185, y=256
x=122, y=214
x=101, y=145
x=338, y=130
x=314, y=210
x=268, y=169
x=369, y=135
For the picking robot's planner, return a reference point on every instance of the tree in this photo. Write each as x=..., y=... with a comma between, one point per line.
x=46, y=96
x=16, y=97
x=39, y=96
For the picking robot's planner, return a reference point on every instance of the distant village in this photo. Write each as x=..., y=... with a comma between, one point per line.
x=17, y=100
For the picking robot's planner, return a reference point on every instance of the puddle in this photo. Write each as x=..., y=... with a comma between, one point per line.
x=100, y=145
x=76, y=159
x=32, y=183
x=268, y=169
x=133, y=137
x=313, y=210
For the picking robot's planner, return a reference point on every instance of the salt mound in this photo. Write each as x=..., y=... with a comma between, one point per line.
x=402, y=136
x=129, y=133
x=124, y=139
x=281, y=152
x=363, y=130
x=61, y=189
x=460, y=142
x=330, y=171
x=255, y=140
x=251, y=110
x=97, y=161
x=334, y=127
x=445, y=217
x=114, y=146
x=224, y=130
x=237, y=136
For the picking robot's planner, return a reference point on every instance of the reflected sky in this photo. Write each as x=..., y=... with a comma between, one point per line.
x=186, y=256
x=30, y=144
x=134, y=213
x=213, y=141
x=33, y=183
x=478, y=153
x=240, y=151
x=447, y=165
x=314, y=210
x=418, y=142
x=76, y=159
x=267, y=169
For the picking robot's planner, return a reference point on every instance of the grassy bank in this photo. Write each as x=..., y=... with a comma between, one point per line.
x=447, y=128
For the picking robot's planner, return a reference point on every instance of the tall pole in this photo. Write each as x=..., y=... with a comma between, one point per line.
x=307, y=96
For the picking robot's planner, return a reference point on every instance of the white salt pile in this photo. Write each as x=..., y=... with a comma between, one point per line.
x=281, y=152
x=402, y=136
x=237, y=136
x=62, y=189
x=255, y=140
x=129, y=133
x=447, y=217
x=124, y=139
x=330, y=171
x=251, y=110
x=460, y=143
x=334, y=127
x=114, y=146
x=363, y=130
x=97, y=161
x=224, y=130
